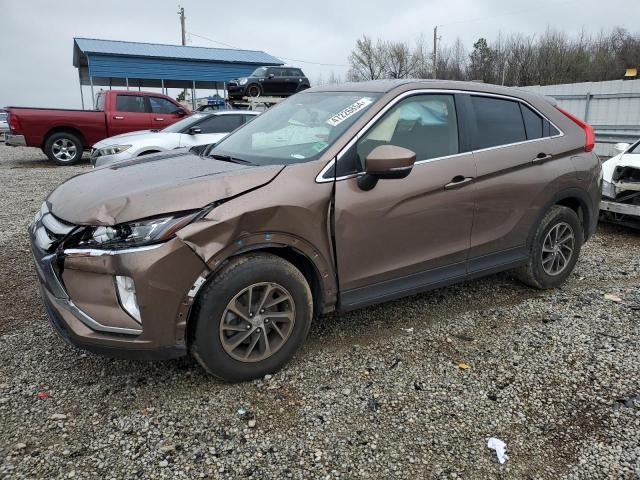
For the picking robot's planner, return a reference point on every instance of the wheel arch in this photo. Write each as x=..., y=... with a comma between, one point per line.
x=317, y=274
x=574, y=198
x=62, y=129
x=149, y=151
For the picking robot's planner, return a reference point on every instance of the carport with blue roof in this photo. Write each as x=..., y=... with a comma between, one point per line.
x=115, y=63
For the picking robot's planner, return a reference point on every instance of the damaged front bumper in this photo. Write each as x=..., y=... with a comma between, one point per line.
x=621, y=196
x=83, y=303
x=620, y=208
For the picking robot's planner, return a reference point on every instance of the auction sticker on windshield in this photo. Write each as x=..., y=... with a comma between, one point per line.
x=349, y=111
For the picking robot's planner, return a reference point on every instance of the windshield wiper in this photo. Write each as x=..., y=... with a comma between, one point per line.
x=229, y=158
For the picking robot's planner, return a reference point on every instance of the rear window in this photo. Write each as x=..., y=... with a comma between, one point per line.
x=498, y=122
x=130, y=103
x=100, y=102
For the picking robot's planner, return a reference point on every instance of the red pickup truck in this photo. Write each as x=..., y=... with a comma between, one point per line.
x=64, y=134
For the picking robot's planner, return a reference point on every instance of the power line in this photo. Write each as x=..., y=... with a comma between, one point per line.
x=279, y=56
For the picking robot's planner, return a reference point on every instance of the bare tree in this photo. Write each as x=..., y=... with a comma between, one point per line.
x=398, y=61
x=553, y=57
x=367, y=60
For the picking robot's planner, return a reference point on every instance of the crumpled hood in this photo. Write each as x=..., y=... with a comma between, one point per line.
x=153, y=185
x=122, y=138
x=620, y=160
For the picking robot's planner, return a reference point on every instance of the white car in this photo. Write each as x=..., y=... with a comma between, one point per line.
x=621, y=186
x=4, y=123
x=194, y=130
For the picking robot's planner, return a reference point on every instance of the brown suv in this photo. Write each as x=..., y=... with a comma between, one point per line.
x=338, y=197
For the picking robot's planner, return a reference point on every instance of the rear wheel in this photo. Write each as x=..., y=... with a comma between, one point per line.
x=251, y=318
x=554, y=249
x=63, y=148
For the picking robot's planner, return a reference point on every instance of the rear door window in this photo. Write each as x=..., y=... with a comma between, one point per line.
x=498, y=122
x=130, y=103
x=162, y=105
x=220, y=123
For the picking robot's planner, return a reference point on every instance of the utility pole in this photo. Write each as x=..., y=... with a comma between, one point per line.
x=435, y=50
x=181, y=13
x=184, y=39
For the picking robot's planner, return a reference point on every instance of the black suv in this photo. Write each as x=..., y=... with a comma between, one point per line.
x=269, y=81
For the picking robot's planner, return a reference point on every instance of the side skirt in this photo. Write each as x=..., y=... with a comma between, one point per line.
x=431, y=279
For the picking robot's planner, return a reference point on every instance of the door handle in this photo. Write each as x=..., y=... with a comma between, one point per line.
x=116, y=117
x=542, y=157
x=457, y=182
x=159, y=119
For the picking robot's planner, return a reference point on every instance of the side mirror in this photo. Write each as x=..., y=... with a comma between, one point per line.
x=200, y=149
x=621, y=147
x=195, y=130
x=386, y=162
x=271, y=75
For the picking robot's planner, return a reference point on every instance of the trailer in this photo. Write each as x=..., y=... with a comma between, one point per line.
x=258, y=104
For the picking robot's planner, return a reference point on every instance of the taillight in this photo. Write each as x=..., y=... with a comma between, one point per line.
x=14, y=124
x=588, y=130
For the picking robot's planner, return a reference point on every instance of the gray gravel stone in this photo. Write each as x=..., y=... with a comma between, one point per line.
x=554, y=374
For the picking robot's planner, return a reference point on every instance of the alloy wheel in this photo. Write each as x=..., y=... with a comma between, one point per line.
x=558, y=248
x=254, y=91
x=257, y=322
x=64, y=149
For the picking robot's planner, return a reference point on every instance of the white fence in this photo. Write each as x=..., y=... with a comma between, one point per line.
x=612, y=108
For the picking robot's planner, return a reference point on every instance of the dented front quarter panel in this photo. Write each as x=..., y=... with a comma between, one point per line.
x=290, y=211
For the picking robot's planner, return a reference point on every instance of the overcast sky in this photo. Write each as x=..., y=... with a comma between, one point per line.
x=36, y=37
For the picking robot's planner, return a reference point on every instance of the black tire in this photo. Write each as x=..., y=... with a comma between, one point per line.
x=254, y=90
x=241, y=272
x=533, y=273
x=71, y=144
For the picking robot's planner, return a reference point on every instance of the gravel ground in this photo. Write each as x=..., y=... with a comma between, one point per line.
x=376, y=393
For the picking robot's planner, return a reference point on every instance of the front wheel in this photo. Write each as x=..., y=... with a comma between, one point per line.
x=63, y=148
x=251, y=318
x=554, y=249
x=254, y=91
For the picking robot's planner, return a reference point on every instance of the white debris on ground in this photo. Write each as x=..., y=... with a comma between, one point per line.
x=500, y=448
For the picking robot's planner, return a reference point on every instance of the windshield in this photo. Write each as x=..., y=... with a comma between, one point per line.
x=635, y=148
x=186, y=122
x=296, y=130
x=3, y=116
x=260, y=72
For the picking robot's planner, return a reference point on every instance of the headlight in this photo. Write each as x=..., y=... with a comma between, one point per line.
x=608, y=189
x=242, y=81
x=135, y=234
x=41, y=213
x=112, y=150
